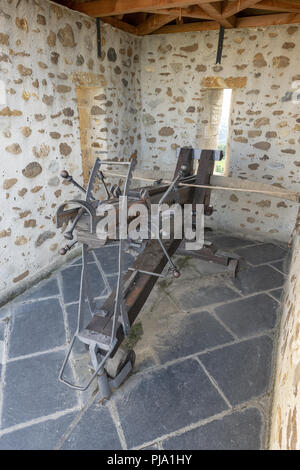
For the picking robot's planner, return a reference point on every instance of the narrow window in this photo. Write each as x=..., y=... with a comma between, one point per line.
x=224, y=130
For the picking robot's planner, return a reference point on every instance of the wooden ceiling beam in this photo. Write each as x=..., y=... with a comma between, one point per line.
x=102, y=8
x=153, y=23
x=268, y=20
x=274, y=5
x=188, y=27
x=113, y=21
x=230, y=8
x=214, y=10
x=246, y=22
x=190, y=12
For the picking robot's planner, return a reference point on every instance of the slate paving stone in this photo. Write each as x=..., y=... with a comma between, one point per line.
x=32, y=389
x=263, y=253
x=95, y=431
x=72, y=313
x=36, y=326
x=249, y=316
x=203, y=296
x=71, y=282
x=193, y=333
x=281, y=265
x=257, y=279
x=108, y=258
x=43, y=289
x=227, y=242
x=165, y=400
x=277, y=293
x=242, y=371
x=90, y=258
x=237, y=431
x=42, y=436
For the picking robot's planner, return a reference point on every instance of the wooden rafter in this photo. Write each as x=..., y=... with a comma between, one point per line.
x=153, y=23
x=230, y=8
x=102, y=8
x=214, y=10
x=194, y=11
x=143, y=17
x=274, y=5
x=246, y=22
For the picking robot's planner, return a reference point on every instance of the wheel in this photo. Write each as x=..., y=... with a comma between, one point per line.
x=114, y=365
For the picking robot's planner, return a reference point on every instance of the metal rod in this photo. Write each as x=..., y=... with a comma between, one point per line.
x=225, y=188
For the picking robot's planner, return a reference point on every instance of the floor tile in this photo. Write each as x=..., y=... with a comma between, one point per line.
x=189, y=334
x=226, y=242
x=249, y=316
x=282, y=265
x=95, y=431
x=71, y=282
x=257, y=279
x=165, y=400
x=36, y=326
x=108, y=258
x=43, y=289
x=32, y=389
x=42, y=436
x=263, y=253
x=277, y=293
x=203, y=296
x=237, y=431
x=242, y=370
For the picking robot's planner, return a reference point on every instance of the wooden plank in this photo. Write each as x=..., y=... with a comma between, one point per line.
x=153, y=23
x=214, y=10
x=274, y=5
x=268, y=20
x=102, y=8
x=188, y=27
x=113, y=21
x=247, y=22
x=230, y=8
x=253, y=186
x=190, y=12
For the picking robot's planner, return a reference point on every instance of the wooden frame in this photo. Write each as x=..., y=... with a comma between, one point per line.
x=171, y=16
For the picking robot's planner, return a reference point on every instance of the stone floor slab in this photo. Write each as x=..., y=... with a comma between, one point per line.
x=44, y=289
x=32, y=389
x=71, y=282
x=238, y=431
x=41, y=436
x=204, y=296
x=260, y=254
x=250, y=316
x=165, y=400
x=95, y=431
x=189, y=334
x=257, y=279
x=227, y=242
x=36, y=326
x=243, y=370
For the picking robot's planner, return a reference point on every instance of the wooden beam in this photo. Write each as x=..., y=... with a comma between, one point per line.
x=291, y=7
x=153, y=23
x=215, y=12
x=268, y=20
x=231, y=8
x=247, y=22
x=190, y=12
x=113, y=21
x=188, y=27
x=102, y=8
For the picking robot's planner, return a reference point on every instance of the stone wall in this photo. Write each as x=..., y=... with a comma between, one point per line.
x=285, y=432
x=262, y=67
x=46, y=53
